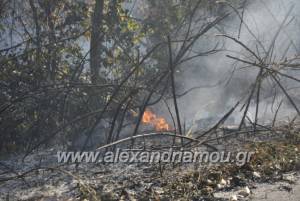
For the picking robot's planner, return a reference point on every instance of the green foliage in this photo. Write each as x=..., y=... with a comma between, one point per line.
x=45, y=54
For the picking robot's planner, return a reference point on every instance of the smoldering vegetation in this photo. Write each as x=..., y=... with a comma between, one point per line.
x=222, y=81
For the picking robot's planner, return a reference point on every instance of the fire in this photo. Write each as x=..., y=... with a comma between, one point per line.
x=159, y=123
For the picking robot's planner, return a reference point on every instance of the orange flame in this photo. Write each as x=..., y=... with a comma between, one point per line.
x=159, y=123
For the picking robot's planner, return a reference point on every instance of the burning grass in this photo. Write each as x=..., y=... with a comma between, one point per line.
x=159, y=123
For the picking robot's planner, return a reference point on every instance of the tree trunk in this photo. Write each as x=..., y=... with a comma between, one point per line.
x=96, y=42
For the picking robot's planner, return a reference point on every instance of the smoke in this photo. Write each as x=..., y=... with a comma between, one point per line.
x=262, y=20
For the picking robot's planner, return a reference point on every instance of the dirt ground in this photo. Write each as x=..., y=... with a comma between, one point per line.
x=279, y=191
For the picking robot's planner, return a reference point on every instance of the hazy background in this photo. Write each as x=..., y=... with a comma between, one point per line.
x=263, y=18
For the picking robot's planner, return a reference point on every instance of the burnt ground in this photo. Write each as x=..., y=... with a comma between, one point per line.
x=272, y=174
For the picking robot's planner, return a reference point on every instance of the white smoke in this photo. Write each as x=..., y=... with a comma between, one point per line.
x=263, y=18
